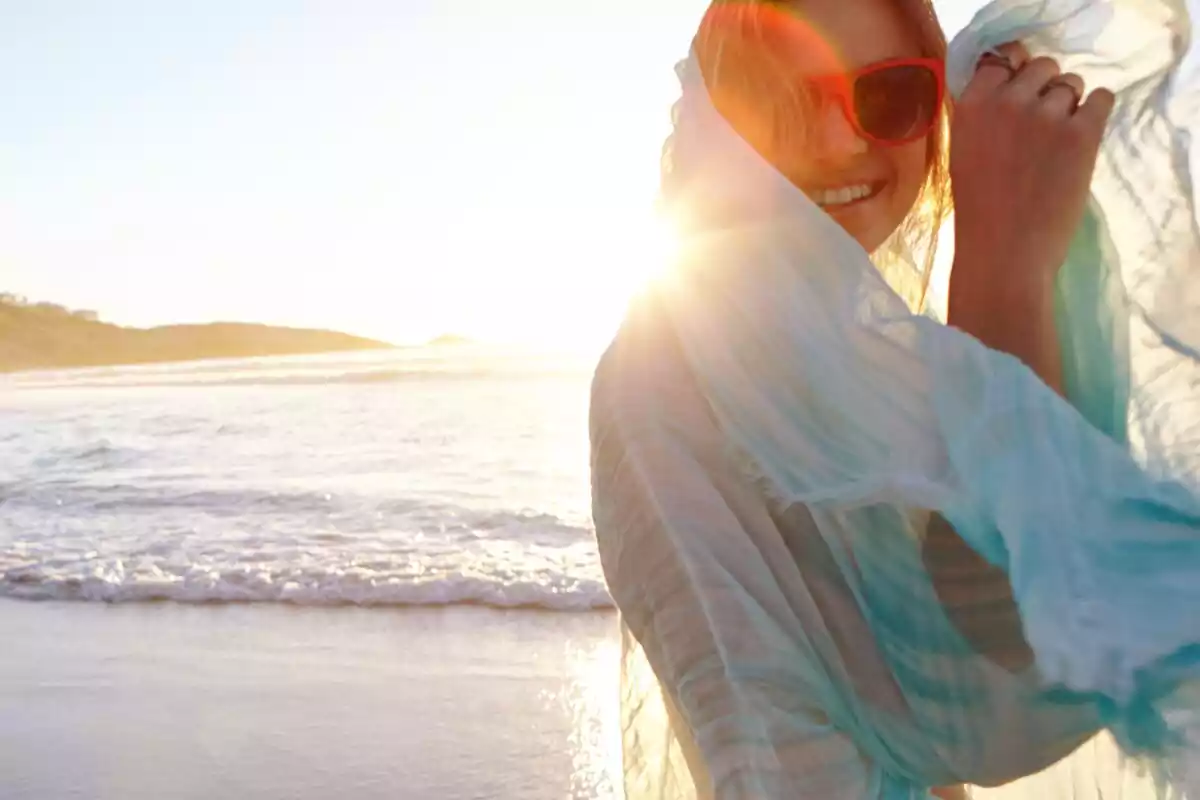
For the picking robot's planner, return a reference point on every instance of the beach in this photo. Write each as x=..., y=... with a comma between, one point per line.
x=365, y=575
x=258, y=701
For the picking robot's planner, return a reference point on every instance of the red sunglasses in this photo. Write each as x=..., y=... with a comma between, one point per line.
x=891, y=102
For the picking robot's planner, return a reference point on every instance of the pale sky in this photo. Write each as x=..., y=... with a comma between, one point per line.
x=393, y=168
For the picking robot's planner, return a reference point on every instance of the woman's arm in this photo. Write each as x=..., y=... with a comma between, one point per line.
x=1023, y=148
x=1014, y=315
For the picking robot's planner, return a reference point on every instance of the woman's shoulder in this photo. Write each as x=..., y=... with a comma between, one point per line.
x=643, y=383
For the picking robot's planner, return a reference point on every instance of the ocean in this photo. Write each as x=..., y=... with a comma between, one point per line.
x=424, y=476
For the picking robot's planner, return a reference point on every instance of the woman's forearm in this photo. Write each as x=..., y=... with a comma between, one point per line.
x=1014, y=317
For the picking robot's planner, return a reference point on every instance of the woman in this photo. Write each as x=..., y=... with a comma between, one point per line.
x=846, y=101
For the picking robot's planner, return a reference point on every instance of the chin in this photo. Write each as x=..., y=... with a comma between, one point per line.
x=869, y=233
x=874, y=240
x=872, y=224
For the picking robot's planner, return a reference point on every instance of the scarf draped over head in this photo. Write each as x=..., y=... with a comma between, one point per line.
x=781, y=444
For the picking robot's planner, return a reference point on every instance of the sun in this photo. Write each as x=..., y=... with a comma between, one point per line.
x=562, y=279
x=633, y=258
x=652, y=247
x=662, y=245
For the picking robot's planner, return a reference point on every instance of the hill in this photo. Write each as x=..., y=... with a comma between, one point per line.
x=449, y=340
x=48, y=336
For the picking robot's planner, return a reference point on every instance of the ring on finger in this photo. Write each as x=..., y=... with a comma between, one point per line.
x=1063, y=83
x=995, y=59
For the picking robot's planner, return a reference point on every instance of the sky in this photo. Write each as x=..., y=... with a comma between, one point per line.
x=391, y=168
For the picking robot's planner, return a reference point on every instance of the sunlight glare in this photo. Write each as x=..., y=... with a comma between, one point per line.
x=655, y=245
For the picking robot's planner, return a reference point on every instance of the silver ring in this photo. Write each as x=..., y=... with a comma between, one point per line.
x=994, y=58
x=1059, y=83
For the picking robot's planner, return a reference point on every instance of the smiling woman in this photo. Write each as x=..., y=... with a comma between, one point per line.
x=863, y=553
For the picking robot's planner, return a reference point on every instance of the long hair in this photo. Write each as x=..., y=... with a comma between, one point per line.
x=746, y=72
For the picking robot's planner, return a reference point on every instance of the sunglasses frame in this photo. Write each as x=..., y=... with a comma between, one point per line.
x=841, y=86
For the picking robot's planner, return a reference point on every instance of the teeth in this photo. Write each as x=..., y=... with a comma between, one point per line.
x=841, y=195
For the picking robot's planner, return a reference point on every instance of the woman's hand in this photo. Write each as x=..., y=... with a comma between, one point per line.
x=1023, y=147
x=1022, y=151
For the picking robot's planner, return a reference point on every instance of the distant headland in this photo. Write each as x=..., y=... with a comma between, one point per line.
x=48, y=336
x=449, y=340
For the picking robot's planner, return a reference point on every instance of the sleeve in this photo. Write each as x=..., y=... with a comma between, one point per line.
x=722, y=687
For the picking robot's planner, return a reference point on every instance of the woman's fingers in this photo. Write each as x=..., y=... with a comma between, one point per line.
x=992, y=72
x=1015, y=52
x=998, y=67
x=1033, y=78
x=1092, y=115
x=1062, y=95
x=1021, y=85
x=1040, y=81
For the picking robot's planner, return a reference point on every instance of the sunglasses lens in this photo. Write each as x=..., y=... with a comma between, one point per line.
x=896, y=103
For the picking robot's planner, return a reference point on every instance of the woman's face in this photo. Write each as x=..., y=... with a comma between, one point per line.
x=868, y=188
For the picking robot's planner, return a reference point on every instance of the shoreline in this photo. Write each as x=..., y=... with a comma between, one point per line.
x=198, y=359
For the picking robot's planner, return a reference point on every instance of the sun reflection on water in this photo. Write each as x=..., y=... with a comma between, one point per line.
x=590, y=697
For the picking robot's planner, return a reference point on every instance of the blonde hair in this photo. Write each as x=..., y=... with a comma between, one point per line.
x=738, y=62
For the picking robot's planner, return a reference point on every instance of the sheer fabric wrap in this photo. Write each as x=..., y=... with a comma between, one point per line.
x=774, y=428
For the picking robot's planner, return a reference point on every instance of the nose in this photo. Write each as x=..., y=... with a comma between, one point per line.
x=835, y=141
